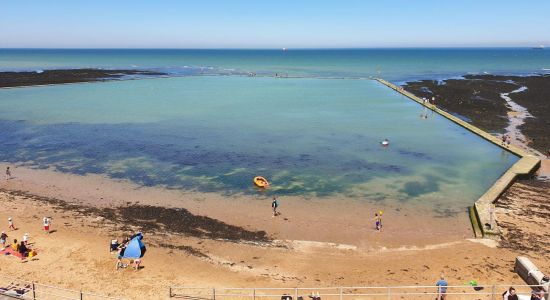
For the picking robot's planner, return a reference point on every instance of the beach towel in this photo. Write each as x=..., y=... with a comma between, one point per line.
x=9, y=251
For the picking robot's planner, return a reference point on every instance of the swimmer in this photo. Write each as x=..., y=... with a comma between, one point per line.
x=385, y=143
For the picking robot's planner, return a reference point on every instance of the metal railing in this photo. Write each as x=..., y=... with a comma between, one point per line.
x=23, y=289
x=464, y=292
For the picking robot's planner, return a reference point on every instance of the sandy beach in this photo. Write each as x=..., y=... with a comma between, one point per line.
x=77, y=250
x=214, y=240
x=301, y=218
x=249, y=249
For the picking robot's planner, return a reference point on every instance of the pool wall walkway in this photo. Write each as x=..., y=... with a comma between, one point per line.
x=482, y=212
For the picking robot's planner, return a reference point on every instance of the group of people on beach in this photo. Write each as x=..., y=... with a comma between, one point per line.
x=510, y=294
x=536, y=294
x=506, y=140
x=427, y=101
x=22, y=247
x=120, y=248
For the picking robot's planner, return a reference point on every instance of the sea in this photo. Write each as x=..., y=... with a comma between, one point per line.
x=310, y=121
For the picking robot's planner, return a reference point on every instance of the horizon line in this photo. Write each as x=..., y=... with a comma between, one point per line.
x=268, y=48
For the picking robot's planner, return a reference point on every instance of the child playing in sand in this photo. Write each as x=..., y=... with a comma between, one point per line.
x=15, y=245
x=10, y=224
x=47, y=222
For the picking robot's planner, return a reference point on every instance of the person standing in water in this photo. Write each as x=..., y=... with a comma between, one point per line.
x=274, y=206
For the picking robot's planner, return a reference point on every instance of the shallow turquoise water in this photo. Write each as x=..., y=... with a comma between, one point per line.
x=315, y=137
x=392, y=64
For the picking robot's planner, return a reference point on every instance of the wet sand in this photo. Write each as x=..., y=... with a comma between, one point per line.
x=405, y=224
x=76, y=256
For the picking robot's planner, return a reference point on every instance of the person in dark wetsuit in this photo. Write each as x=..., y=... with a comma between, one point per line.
x=274, y=206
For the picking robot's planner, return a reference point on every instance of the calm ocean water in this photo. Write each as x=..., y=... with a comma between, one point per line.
x=309, y=136
x=392, y=64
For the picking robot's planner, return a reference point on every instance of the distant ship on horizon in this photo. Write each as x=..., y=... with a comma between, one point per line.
x=540, y=47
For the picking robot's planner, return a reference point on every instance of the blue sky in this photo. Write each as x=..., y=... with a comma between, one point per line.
x=272, y=24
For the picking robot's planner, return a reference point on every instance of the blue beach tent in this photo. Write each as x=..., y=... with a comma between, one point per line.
x=135, y=249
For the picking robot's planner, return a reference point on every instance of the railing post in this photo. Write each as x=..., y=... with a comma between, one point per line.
x=389, y=293
x=81, y=296
x=295, y=293
x=341, y=293
x=33, y=292
x=254, y=293
x=493, y=292
x=170, y=292
x=213, y=294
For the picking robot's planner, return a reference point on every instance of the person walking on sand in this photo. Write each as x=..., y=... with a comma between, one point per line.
x=508, y=141
x=274, y=206
x=10, y=224
x=442, y=288
x=378, y=221
x=26, y=239
x=47, y=222
x=8, y=173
